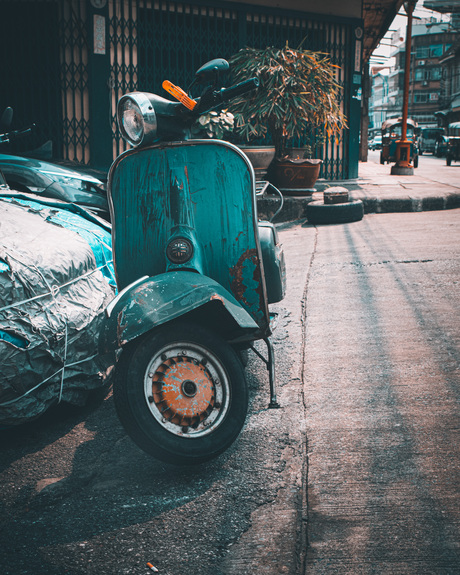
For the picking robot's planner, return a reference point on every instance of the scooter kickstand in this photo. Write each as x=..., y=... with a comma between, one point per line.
x=270, y=363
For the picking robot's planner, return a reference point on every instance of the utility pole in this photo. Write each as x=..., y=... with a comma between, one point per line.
x=403, y=167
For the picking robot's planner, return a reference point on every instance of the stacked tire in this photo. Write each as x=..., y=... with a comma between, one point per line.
x=334, y=210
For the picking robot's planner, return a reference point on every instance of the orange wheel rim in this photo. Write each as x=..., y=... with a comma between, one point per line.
x=183, y=390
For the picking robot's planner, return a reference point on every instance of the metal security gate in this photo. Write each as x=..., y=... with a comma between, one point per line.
x=74, y=81
x=156, y=40
x=76, y=58
x=30, y=70
x=44, y=74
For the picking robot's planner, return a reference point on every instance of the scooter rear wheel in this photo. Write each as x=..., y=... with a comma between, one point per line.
x=181, y=393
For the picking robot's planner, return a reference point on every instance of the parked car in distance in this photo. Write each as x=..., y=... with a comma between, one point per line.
x=49, y=180
x=453, y=144
x=440, y=149
x=376, y=143
x=428, y=139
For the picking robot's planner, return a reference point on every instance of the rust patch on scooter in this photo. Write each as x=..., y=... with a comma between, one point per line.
x=247, y=280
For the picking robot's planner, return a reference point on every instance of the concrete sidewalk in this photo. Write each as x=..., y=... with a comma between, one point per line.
x=381, y=381
x=382, y=192
x=433, y=186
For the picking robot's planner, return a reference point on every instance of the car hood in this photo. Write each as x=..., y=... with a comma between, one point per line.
x=47, y=168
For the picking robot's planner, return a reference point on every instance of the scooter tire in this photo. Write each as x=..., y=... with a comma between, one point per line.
x=320, y=213
x=178, y=426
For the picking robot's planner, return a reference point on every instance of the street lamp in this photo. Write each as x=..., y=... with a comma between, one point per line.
x=403, y=167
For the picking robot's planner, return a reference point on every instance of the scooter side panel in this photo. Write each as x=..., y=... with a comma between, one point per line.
x=206, y=186
x=274, y=264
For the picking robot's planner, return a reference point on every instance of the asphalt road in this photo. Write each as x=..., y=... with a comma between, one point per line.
x=429, y=166
x=78, y=497
x=357, y=472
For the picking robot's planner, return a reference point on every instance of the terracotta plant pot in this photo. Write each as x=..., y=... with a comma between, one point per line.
x=297, y=175
x=260, y=157
x=296, y=153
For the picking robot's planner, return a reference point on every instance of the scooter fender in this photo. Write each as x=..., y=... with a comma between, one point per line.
x=153, y=301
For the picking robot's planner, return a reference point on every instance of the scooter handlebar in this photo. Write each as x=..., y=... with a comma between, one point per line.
x=10, y=136
x=213, y=98
x=239, y=89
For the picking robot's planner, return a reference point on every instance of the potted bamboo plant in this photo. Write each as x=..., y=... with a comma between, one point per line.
x=297, y=99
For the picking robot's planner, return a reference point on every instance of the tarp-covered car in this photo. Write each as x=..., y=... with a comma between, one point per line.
x=48, y=180
x=56, y=278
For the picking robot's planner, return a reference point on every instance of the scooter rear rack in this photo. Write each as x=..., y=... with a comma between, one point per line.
x=264, y=188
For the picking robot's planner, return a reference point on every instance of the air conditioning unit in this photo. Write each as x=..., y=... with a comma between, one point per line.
x=425, y=83
x=421, y=62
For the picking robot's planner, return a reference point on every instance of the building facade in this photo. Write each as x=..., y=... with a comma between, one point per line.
x=379, y=99
x=433, y=83
x=449, y=101
x=430, y=43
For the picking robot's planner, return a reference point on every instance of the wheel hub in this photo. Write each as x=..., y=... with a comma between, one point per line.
x=183, y=391
x=189, y=388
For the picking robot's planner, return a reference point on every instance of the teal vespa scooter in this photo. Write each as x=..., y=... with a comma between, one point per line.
x=195, y=270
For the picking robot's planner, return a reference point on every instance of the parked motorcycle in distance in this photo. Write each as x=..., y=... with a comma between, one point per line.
x=49, y=180
x=195, y=270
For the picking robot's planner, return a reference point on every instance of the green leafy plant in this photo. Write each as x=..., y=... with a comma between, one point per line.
x=214, y=125
x=298, y=95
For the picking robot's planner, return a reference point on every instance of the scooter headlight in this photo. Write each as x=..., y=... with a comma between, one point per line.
x=137, y=118
x=179, y=251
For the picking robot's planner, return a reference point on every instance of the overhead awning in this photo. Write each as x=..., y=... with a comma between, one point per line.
x=443, y=6
x=455, y=106
x=377, y=17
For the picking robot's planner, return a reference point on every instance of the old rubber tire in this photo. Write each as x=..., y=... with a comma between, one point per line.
x=181, y=393
x=320, y=213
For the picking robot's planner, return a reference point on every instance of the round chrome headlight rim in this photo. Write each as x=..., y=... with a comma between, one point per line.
x=142, y=103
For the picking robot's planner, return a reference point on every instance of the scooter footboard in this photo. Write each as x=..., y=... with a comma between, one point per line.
x=150, y=302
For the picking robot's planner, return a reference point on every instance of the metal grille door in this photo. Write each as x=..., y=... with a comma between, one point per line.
x=59, y=76
x=155, y=40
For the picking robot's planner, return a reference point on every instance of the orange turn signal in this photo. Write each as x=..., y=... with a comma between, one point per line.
x=179, y=94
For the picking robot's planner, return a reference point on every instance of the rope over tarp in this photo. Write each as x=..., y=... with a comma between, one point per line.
x=56, y=278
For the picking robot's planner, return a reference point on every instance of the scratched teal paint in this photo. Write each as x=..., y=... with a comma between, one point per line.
x=215, y=183
x=249, y=269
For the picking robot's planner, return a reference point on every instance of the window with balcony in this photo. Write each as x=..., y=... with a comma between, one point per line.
x=436, y=50
x=422, y=52
x=425, y=74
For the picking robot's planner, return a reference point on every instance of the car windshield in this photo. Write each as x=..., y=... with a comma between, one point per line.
x=431, y=133
x=396, y=131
